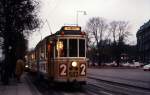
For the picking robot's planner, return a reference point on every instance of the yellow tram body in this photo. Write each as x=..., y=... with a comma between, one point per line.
x=61, y=57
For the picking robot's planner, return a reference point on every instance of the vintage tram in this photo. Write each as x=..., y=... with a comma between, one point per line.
x=61, y=57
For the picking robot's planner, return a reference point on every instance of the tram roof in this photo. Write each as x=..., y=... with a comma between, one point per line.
x=66, y=30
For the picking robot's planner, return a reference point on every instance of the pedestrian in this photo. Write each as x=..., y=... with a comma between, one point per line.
x=19, y=69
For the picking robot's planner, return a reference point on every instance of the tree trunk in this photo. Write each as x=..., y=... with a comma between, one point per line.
x=6, y=63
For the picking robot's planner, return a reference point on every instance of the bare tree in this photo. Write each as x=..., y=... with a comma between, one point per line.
x=96, y=27
x=113, y=29
x=120, y=32
x=123, y=31
x=99, y=31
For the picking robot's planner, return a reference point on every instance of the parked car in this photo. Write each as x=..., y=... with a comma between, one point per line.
x=146, y=67
x=113, y=64
x=125, y=64
x=138, y=64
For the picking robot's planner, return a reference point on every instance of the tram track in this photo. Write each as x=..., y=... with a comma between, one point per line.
x=120, y=84
x=95, y=86
x=46, y=89
x=120, y=78
x=101, y=90
x=117, y=88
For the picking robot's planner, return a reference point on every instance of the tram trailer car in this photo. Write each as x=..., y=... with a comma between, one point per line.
x=30, y=62
x=61, y=57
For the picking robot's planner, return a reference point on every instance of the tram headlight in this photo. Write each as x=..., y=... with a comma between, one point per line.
x=26, y=66
x=74, y=64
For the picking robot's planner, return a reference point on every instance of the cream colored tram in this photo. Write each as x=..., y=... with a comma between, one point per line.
x=61, y=57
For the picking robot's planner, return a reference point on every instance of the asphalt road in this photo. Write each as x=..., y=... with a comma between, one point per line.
x=120, y=81
x=135, y=77
x=135, y=74
x=102, y=82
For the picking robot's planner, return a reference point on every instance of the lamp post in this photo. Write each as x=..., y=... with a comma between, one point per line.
x=84, y=13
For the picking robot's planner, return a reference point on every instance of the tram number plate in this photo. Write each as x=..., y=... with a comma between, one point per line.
x=73, y=74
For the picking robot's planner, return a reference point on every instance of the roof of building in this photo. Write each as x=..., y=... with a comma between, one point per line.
x=145, y=26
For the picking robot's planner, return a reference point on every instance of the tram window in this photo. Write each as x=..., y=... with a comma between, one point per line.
x=63, y=52
x=73, y=48
x=81, y=48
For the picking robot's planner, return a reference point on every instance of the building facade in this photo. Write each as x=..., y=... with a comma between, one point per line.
x=143, y=42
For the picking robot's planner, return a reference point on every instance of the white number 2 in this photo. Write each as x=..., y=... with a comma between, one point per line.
x=82, y=66
x=63, y=69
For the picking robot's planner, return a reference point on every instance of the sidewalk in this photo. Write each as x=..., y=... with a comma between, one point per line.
x=23, y=88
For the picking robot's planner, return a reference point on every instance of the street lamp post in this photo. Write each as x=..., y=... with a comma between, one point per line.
x=84, y=13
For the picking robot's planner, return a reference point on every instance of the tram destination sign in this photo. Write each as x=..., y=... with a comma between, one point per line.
x=74, y=28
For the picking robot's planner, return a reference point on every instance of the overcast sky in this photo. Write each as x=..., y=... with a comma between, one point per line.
x=63, y=12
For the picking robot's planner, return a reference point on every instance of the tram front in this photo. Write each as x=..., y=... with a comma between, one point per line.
x=70, y=55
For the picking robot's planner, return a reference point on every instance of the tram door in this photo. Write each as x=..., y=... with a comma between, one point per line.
x=50, y=59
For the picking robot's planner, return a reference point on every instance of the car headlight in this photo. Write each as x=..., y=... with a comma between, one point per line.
x=74, y=64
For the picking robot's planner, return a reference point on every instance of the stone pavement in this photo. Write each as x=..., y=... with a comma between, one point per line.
x=15, y=88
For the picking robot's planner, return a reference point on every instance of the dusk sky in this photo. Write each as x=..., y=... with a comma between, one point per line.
x=63, y=12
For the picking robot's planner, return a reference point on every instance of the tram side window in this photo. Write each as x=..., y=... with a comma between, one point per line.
x=73, y=48
x=81, y=48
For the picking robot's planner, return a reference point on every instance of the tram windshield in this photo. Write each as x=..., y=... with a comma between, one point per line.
x=73, y=48
x=70, y=48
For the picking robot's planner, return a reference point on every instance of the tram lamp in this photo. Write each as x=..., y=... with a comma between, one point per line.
x=82, y=33
x=49, y=47
x=74, y=64
x=62, y=33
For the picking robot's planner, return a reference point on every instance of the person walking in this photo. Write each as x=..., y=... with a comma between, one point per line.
x=19, y=69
